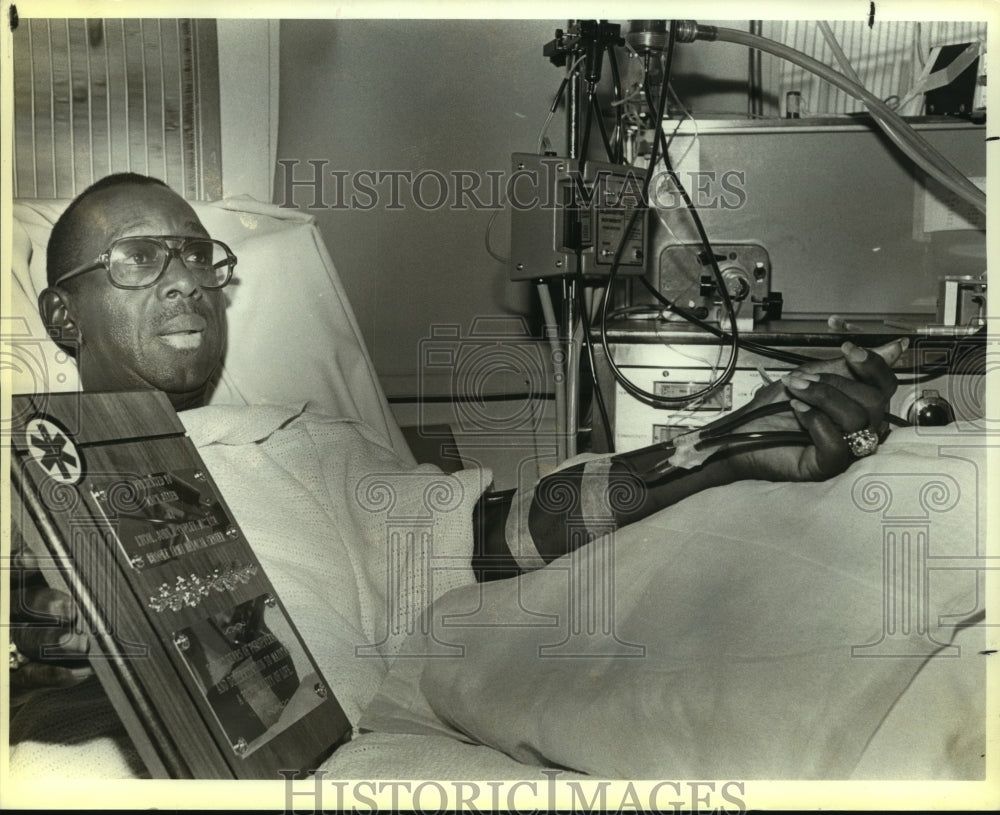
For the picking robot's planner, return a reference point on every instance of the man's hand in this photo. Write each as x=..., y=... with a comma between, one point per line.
x=49, y=651
x=830, y=399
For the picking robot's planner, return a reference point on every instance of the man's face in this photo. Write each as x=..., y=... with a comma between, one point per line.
x=169, y=336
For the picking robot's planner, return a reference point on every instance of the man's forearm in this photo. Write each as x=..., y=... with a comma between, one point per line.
x=573, y=506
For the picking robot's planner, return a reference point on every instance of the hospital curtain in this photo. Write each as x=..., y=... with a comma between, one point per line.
x=97, y=96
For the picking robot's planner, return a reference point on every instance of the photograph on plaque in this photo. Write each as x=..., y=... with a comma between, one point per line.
x=252, y=670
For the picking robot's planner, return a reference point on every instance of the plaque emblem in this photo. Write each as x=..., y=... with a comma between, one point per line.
x=54, y=450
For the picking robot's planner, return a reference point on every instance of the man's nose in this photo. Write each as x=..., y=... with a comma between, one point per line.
x=178, y=281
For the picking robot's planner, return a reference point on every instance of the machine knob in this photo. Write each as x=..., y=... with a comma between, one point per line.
x=737, y=282
x=930, y=410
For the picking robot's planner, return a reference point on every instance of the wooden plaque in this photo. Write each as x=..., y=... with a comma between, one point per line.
x=188, y=636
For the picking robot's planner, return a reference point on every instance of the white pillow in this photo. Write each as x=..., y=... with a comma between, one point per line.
x=292, y=333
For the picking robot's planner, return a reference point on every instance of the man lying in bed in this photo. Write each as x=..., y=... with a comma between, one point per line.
x=150, y=313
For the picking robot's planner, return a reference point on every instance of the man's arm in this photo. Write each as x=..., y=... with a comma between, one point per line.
x=572, y=506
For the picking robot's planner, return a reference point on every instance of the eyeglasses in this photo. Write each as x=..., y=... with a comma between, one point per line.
x=138, y=262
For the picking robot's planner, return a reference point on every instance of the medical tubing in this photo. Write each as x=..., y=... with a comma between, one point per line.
x=616, y=87
x=598, y=395
x=732, y=442
x=570, y=74
x=555, y=103
x=850, y=73
x=720, y=430
x=894, y=126
x=766, y=438
x=558, y=369
x=838, y=52
x=901, y=134
x=716, y=271
x=733, y=336
x=734, y=420
x=585, y=144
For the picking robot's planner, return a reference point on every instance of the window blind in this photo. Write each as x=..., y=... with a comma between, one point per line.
x=888, y=58
x=96, y=96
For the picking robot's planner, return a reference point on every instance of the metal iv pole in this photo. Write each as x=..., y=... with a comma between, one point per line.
x=569, y=284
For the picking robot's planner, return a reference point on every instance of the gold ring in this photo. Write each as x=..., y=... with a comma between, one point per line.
x=862, y=442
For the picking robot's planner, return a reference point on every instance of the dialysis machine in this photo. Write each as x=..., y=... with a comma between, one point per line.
x=692, y=260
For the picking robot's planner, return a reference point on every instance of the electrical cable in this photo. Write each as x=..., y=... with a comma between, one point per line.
x=644, y=396
x=600, y=126
x=486, y=239
x=555, y=104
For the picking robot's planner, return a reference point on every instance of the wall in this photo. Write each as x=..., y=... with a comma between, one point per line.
x=385, y=95
x=711, y=78
x=248, y=105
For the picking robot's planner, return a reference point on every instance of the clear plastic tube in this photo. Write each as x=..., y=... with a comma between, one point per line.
x=902, y=135
x=558, y=370
x=849, y=71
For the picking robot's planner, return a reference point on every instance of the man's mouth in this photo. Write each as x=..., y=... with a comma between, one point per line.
x=184, y=332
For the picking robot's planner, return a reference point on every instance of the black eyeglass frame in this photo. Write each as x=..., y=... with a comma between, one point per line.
x=104, y=260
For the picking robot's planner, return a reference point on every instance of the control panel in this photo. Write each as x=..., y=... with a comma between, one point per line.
x=561, y=208
x=686, y=279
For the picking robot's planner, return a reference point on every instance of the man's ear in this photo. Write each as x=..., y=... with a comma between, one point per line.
x=53, y=306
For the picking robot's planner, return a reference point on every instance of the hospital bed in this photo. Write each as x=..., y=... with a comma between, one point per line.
x=760, y=631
